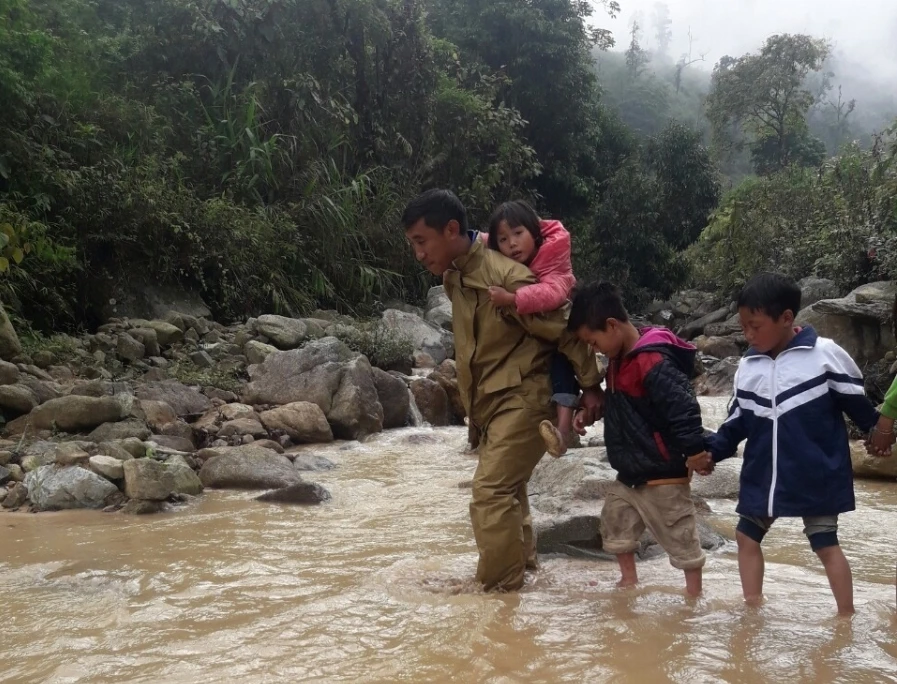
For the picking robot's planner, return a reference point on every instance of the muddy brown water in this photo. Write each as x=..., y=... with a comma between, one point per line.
x=232, y=590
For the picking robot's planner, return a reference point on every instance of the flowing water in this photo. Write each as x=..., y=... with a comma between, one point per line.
x=232, y=590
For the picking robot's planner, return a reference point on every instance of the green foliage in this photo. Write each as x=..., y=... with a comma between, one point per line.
x=220, y=377
x=839, y=223
x=384, y=347
x=763, y=99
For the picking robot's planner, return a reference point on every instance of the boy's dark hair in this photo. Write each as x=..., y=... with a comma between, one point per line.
x=436, y=207
x=772, y=294
x=515, y=213
x=593, y=304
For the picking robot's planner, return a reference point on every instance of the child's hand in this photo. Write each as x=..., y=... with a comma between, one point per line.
x=501, y=297
x=881, y=439
x=701, y=463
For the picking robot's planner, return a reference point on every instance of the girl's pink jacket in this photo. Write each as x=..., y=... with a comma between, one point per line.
x=554, y=269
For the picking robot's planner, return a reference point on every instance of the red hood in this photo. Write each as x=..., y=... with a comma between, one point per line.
x=665, y=341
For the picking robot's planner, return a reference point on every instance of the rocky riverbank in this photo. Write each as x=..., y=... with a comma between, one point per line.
x=143, y=414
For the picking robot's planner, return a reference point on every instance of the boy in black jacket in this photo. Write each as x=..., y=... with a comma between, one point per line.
x=652, y=424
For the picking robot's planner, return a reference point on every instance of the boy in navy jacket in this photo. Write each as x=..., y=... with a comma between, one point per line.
x=791, y=391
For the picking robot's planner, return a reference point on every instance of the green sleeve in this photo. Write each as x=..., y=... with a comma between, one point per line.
x=889, y=409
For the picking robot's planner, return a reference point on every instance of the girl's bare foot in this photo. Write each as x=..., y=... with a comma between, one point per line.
x=555, y=443
x=627, y=582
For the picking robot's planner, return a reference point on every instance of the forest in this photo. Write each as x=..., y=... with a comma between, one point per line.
x=260, y=152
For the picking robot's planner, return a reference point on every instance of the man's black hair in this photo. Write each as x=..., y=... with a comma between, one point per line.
x=593, y=304
x=515, y=213
x=436, y=207
x=772, y=294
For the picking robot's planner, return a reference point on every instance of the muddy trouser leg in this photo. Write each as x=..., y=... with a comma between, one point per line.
x=499, y=511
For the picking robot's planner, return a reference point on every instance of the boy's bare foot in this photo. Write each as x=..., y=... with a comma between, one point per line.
x=555, y=443
x=627, y=582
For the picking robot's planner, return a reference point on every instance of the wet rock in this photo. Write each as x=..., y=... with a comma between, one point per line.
x=76, y=413
x=570, y=533
x=246, y=467
x=355, y=411
x=16, y=497
x=872, y=467
x=147, y=479
x=108, y=467
x=185, y=401
x=302, y=421
x=9, y=373
x=446, y=376
x=185, y=480
x=392, y=393
x=111, y=432
x=432, y=401
x=426, y=337
x=139, y=507
x=241, y=427
x=312, y=463
x=55, y=489
x=302, y=493
x=17, y=399
x=285, y=333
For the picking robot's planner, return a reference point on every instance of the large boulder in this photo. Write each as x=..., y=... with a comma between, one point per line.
x=426, y=337
x=54, y=489
x=860, y=322
x=432, y=401
x=246, y=467
x=302, y=421
x=10, y=347
x=9, y=373
x=718, y=347
x=284, y=333
x=107, y=466
x=147, y=479
x=719, y=378
x=392, y=393
x=184, y=479
x=256, y=352
x=439, y=308
x=112, y=432
x=76, y=413
x=327, y=373
x=185, y=401
x=17, y=399
x=446, y=375
x=813, y=289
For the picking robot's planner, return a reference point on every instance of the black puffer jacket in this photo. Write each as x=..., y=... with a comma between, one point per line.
x=652, y=420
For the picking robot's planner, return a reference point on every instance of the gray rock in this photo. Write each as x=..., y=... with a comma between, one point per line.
x=10, y=347
x=723, y=483
x=426, y=337
x=111, y=432
x=9, y=373
x=17, y=399
x=256, y=352
x=157, y=414
x=15, y=497
x=312, y=463
x=242, y=426
x=148, y=479
x=302, y=493
x=246, y=467
x=719, y=378
x=439, y=308
x=44, y=391
x=116, y=451
x=692, y=330
x=356, y=411
x=166, y=333
x=302, y=421
x=76, y=413
x=285, y=333
x=108, y=467
x=186, y=481
x=5, y=475
x=133, y=446
x=718, y=347
x=70, y=453
x=201, y=359
x=217, y=416
x=814, y=289
x=392, y=393
x=175, y=443
x=148, y=338
x=5, y=457
x=37, y=454
x=55, y=489
x=872, y=467
x=185, y=401
x=16, y=474
x=129, y=349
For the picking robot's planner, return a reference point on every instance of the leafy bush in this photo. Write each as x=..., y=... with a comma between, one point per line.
x=384, y=347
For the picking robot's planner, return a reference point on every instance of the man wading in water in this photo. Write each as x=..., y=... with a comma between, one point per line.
x=503, y=361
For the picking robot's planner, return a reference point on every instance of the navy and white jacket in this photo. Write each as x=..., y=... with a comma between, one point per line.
x=791, y=412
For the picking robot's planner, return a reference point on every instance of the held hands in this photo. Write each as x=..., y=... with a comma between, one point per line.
x=591, y=408
x=701, y=463
x=501, y=297
x=881, y=439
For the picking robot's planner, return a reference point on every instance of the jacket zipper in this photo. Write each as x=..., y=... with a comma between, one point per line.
x=775, y=441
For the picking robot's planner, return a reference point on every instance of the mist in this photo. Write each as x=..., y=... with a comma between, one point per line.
x=866, y=38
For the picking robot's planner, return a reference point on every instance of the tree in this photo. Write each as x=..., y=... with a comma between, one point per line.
x=636, y=56
x=764, y=97
x=663, y=31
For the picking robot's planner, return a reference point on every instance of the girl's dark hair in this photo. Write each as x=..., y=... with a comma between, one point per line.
x=516, y=213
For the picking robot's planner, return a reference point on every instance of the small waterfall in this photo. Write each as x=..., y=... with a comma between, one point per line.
x=414, y=414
